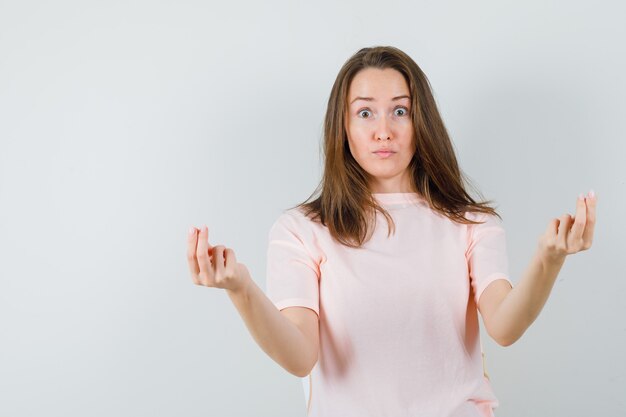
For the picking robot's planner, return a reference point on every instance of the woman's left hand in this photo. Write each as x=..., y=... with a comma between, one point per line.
x=566, y=235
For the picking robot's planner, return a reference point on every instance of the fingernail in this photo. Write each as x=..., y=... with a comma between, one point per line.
x=192, y=230
x=581, y=197
x=592, y=194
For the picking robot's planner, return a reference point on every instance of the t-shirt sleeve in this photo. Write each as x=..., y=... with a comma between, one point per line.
x=486, y=254
x=293, y=273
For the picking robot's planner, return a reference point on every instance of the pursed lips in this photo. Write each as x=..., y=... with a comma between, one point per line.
x=384, y=154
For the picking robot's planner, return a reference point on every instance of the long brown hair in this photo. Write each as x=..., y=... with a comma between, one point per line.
x=345, y=204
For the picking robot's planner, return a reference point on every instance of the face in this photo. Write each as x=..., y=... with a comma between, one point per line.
x=379, y=118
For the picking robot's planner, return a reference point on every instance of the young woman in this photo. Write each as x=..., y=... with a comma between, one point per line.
x=383, y=321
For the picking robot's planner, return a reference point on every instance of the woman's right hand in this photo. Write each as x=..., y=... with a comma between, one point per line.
x=214, y=266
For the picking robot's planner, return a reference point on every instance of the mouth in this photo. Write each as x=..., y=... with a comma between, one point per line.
x=384, y=154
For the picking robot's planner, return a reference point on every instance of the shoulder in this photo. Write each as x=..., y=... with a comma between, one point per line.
x=292, y=216
x=295, y=221
x=292, y=225
x=487, y=223
x=484, y=218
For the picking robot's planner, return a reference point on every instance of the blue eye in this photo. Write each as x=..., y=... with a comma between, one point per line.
x=404, y=109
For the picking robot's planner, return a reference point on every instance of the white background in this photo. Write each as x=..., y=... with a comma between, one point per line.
x=123, y=123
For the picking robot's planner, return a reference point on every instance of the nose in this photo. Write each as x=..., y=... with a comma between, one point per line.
x=382, y=129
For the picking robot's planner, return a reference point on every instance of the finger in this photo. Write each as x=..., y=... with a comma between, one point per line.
x=564, y=225
x=192, y=242
x=218, y=258
x=553, y=228
x=590, y=202
x=580, y=219
x=206, y=273
x=230, y=261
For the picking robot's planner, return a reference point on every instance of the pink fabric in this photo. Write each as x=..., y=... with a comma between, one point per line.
x=399, y=331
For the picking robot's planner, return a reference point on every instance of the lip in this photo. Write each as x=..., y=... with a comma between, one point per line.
x=384, y=154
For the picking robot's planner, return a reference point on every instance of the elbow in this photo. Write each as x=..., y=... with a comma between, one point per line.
x=307, y=370
x=503, y=336
x=505, y=341
x=301, y=373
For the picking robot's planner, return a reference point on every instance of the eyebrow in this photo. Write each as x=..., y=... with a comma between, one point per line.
x=372, y=99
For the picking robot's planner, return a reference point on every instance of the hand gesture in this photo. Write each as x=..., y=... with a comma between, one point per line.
x=214, y=266
x=568, y=235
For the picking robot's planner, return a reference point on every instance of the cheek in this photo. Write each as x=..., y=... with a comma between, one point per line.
x=359, y=131
x=360, y=150
x=357, y=140
x=407, y=127
x=355, y=148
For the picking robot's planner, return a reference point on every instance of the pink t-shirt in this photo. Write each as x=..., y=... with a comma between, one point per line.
x=399, y=331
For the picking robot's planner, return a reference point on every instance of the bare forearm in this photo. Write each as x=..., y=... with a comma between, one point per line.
x=522, y=305
x=274, y=333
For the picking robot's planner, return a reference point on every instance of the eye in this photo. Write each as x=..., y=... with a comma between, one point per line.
x=361, y=111
x=404, y=109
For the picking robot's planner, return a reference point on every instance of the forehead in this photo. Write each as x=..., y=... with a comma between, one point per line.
x=379, y=84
